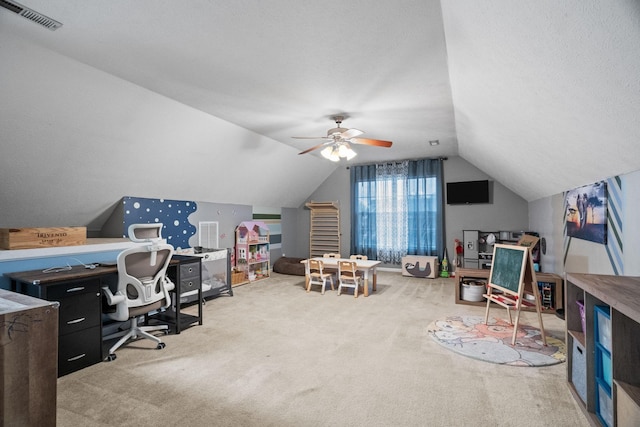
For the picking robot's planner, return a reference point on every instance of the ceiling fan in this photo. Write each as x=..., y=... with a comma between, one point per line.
x=338, y=142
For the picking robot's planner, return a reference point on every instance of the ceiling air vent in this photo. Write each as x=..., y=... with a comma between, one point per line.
x=31, y=15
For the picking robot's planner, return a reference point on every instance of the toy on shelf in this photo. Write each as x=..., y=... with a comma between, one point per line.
x=252, y=250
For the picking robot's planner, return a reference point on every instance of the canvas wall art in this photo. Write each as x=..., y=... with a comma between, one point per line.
x=586, y=212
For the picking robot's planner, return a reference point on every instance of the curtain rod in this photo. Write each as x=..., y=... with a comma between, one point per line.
x=401, y=160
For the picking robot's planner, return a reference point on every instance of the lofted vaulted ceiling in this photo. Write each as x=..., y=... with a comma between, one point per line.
x=542, y=96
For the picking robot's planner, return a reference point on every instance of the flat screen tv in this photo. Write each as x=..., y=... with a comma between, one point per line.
x=467, y=192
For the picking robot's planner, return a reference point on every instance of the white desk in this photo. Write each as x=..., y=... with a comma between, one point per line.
x=365, y=266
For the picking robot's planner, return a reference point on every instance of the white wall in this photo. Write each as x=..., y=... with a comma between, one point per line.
x=506, y=212
x=582, y=256
x=335, y=188
x=544, y=216
x=631, y=230
x=75, y=140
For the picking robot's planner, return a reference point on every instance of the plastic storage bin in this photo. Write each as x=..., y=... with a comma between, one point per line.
x=579, y=370
x=605, y=406
x=603, y=366
x=603, y=326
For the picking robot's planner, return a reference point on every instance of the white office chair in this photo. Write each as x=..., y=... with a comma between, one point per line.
x=142, y=285
x=348, y=277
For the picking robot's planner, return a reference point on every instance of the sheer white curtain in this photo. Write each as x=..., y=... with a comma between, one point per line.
x=392, y=230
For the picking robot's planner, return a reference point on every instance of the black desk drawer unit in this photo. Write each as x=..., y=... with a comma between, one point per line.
x=189, y=277
x=78, y=350
x=80, y=331
x=79, y=319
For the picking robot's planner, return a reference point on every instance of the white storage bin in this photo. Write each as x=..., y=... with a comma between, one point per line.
x=603, y=320
x=579, y=370
x=420, y=266
x=605, y=406
x=472, y=291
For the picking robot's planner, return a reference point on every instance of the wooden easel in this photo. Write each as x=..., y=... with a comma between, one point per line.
x=512, y=278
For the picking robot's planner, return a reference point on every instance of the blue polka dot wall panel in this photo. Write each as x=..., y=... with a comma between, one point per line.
x=173, y=214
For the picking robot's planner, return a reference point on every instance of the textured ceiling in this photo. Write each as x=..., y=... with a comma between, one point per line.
x=541, y=96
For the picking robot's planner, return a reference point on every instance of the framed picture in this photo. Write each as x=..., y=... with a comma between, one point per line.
x=586, y=212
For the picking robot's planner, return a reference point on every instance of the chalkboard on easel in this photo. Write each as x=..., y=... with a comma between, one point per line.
x=508, y=268
x=512, y=273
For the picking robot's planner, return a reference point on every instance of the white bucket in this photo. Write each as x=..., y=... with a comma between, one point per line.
x=472, y=291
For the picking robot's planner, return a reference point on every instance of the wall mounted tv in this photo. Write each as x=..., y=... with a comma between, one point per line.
x=467, y=192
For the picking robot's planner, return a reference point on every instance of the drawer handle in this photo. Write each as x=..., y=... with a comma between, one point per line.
x=79, y=288
x=73, y=359
x=190, y=269
x=190, y=284
x=71, y=322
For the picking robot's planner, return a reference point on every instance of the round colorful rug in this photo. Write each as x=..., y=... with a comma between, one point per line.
x=469, y=336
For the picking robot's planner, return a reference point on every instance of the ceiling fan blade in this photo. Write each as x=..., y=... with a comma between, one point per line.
x=376, y=142
x=315, y=147
x=309, y=137
x=350, y=133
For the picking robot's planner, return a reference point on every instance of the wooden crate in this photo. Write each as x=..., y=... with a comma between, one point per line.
x=237, y=278
x=42, y=237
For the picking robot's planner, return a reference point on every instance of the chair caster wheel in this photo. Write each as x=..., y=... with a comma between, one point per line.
x=166, y=332
x=161, y=346
x=111, y=357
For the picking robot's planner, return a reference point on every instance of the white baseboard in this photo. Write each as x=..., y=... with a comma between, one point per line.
x=390, y=269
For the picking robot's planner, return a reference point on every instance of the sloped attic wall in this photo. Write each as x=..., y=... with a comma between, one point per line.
x=76, y=140
x=546, y=93
x=619, y=256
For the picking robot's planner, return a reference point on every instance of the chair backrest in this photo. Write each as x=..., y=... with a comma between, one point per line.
x=360, y=257
x=331, y=255
x=141, y=273
x=347, y=269
x=145, y=232
x=315, y=266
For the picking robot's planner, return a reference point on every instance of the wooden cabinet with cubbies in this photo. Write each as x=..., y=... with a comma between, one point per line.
x=602, y=315
x=549, y=284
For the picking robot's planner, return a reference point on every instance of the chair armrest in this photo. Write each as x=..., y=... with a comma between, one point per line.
x=111, y=298
x=168, y=284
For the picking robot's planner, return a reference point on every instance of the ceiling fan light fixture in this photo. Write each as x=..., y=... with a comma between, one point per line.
x=345, y=151
x=351, y=154
x=336, y=144
x=338, y=151
x=331, y=153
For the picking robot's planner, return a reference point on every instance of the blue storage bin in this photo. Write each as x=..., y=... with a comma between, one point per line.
x=603, y=365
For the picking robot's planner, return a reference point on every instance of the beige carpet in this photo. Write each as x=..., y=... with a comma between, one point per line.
x=274, y=355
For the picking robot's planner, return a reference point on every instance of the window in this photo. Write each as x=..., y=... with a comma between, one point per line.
x=397, y=209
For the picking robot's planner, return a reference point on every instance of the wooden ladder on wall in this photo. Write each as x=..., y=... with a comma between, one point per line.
x=324, y=235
